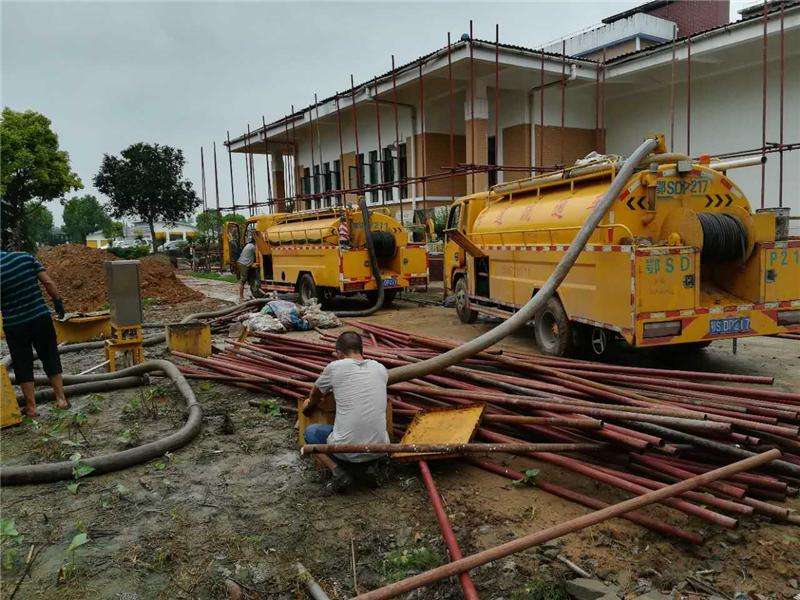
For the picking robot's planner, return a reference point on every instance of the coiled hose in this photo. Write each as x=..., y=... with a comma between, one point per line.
x=373, y=263
x=116, y=461
x=724, y=237
x=527, y=312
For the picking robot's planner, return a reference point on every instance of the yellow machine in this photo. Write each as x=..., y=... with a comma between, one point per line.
x=9, y=408
x=679, y=258
x=322, y=253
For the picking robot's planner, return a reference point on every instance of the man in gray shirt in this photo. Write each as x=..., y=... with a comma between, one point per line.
x=245, y=262
x=359, y=391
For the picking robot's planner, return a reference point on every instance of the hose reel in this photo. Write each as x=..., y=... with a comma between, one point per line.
x=385, y=245
x=724, y=237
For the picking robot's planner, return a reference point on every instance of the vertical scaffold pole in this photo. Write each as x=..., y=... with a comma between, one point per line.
x=397, y=138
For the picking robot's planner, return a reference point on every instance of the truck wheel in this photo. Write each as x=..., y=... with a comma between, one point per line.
x=552, y=329
x=463, y=308
x=307, y=289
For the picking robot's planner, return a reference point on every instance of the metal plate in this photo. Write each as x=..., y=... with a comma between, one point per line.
x=441, y=426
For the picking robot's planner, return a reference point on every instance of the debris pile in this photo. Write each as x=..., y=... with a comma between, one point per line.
x=659, y=426
x=79, y=273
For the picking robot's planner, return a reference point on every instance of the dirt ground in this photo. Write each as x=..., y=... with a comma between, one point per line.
x=239, y=503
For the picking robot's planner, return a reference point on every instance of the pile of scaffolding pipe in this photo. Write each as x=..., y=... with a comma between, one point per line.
x=659, y=426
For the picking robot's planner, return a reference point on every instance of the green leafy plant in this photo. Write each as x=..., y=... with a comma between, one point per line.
x=528, y=478
x=214, y=275
x=10, y=538
x=540, y=589
x=403, y=562
x=270, y=407
x=130, y=436
x=79, y=470
x=70, y=566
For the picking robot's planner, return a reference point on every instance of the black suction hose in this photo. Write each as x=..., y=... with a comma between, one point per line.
x=527, y=312
x=116, y=461
x=373, y=263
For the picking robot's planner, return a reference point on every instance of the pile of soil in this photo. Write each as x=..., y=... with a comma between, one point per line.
x=81, y=279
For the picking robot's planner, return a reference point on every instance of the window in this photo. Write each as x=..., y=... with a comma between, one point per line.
x=402, y=169
x=492, y=159
x=388, y=172
x=317, y=202
x=356, y=175
x=327, y=181
x=306, y=182
x=373, y=174
x=337, y=179
x=454, y=216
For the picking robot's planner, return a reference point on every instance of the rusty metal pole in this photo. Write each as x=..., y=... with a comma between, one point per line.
x=270, y=200
x=471, y=448
x=230, y=164
x=764, y=50
x=341, y=149
x=540, y=143
x=689, y=96
x=780, y=108
x=296, y=157
x=597, y=109
x=319, y=148
x=451, y=93
x=472, y=103
x=467, y=586
x=397, y=138
x=313, y=160
x=533, y=539
x=563, y=93
x=294, y=166
x=497, y=99
x=672, y=92
x=216, y=177
x=424, y=150
x=603, y=105
x=359, y=168
x=381, y=191
x=247, y=175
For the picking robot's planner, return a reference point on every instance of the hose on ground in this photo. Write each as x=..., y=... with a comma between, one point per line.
x=116, y=461
x=527, y=312
x=373, y=263
x=80, y=389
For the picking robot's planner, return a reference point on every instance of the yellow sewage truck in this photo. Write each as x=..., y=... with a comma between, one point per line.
x=679, y=258
x=322, y=253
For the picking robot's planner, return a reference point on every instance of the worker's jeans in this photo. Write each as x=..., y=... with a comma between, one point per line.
x=318, y=433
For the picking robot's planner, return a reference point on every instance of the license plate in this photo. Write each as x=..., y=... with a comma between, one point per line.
x=729, y=325
x=392, y=282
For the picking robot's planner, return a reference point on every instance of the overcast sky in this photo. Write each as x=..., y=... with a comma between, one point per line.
x=109, y=74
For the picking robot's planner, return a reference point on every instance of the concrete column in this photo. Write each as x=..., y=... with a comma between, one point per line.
x=476, y=123
x=279, y=184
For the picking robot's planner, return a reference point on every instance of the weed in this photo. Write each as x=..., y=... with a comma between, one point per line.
x=270, y=407
x=130, y=437
x=214, y=276
x=148, y=301
x=70, y=566
x=540, y=589
x=403, y=562
x=9, y=538
x=528, y=478
x=95, y=403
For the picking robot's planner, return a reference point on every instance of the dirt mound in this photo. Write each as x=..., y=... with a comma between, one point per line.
x=80, y=276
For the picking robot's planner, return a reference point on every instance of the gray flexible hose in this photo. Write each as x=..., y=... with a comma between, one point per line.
x=44, y=473
x=527, y=312
x=373, y=263
x=81, y=389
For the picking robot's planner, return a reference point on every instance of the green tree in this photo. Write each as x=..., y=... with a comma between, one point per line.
x=32, y=168
x=209, y=223
x=236, y=217
x=145, y=181
x=113, y=229
x=38, y=223
x=82, y=216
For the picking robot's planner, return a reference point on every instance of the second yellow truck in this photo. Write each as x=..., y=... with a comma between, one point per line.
x=320, y=254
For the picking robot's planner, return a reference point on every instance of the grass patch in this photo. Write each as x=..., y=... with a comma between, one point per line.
x=229, y=277
x=404, y=562
x=540, y=589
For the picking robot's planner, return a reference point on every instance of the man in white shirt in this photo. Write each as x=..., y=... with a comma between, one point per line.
x=245, y=262
x=359, y=391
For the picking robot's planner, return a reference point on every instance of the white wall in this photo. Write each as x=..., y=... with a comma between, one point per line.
x=726, y=116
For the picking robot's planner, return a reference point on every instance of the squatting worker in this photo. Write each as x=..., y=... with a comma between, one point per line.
x=27, y=323
x=359, y=391
x=245, y=262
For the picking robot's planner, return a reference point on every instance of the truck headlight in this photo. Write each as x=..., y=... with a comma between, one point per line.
x=662, y=329
x=788, y=317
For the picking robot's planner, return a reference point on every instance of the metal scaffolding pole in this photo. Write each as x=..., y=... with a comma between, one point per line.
x=203, y=179
x=340, y=197
x=230, y=164
x=472, y=101
x=216, y=177
x=359, y=167
x=270, y=199
x=781, y=139
x=672, y=92
x=380, y=145
x=540, y=143
x=424, y=148
x=689, y=96
x=563, y=96
x=319, y=146
x=452, y=120
x=496, y=98
x=764, y=50
x=397, y=138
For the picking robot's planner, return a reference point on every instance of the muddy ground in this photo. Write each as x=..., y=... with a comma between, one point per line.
x=238, y=503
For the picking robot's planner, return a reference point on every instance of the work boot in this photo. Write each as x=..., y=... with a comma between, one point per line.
x=340, y=481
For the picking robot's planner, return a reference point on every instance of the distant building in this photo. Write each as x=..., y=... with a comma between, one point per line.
x=165, y=232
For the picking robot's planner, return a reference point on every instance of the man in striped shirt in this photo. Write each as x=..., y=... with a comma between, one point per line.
x=27, y=323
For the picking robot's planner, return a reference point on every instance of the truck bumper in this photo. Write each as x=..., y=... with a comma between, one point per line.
x=717, y=323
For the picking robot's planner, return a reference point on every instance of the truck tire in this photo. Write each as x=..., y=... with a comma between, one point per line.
x=552, y=329
x=388, y=296
x=463, y=306
x=307, y=289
